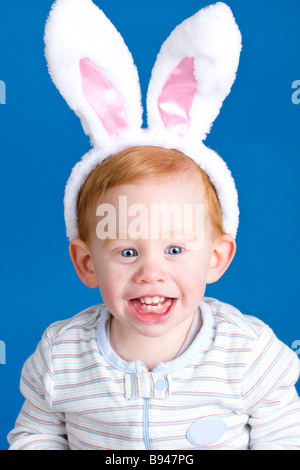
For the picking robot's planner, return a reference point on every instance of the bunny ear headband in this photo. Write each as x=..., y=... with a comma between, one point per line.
x=94, y=71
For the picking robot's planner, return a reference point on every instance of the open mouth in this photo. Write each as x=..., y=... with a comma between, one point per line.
x=152, y=309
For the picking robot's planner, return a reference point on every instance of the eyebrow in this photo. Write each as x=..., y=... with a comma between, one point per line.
x=166, y=236
x=173, y=235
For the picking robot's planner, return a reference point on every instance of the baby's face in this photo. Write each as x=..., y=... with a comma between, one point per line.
x=152, y=276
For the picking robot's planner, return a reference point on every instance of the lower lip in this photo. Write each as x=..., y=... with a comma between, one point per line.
x=152, y=317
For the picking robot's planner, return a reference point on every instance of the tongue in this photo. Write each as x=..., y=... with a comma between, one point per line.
x=152, y=308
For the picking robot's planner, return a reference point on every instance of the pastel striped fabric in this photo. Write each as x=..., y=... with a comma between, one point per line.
x=233, y=388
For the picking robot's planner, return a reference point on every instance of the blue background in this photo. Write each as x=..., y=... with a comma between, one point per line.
x=257, y=133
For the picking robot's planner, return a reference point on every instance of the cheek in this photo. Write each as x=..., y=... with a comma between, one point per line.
x=111, y=285
x=193, y=283
x=106, y=272
x=194, y=276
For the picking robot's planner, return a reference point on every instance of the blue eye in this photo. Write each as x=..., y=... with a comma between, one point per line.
x=174, y=250
x=128, y=253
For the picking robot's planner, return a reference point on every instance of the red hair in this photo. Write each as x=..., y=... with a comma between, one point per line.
x=137, y=164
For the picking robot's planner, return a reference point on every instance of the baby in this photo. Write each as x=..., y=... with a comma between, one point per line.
x=156, y=365
x=151, y=285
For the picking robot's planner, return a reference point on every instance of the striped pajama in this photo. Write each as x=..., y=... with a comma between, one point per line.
x=233, y=388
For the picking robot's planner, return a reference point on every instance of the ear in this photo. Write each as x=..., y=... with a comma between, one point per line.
x=222, y=255
x=82, y=261
x=194, y=72
x=93, y=69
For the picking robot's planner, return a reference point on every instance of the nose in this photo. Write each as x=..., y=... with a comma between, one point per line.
x=149, y=273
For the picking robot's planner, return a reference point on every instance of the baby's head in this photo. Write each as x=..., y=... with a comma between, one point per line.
x=168, y=267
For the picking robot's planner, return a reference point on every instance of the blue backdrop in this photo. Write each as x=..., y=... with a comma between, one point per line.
x=257, y=133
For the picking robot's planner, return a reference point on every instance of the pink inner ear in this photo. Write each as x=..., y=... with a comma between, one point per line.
x=176, y=97
x=103, y=98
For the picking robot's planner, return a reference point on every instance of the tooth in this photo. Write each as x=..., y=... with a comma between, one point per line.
x=152, y=300
x=149, y=307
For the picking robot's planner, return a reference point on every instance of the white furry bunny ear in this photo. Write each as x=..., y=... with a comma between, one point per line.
x=93, y=69
x=193, y=73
